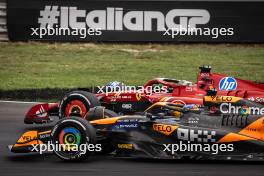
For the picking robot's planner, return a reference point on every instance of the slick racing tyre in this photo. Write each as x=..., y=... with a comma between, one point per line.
x=77, y=103
x=99, y=112
x=72, y=137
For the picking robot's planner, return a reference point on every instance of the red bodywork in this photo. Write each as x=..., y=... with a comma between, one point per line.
x=183, y=92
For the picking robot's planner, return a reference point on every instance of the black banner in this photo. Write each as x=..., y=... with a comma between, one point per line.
x=146, y=21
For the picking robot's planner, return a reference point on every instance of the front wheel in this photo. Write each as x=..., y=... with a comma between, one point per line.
x=74, y=139
x=77, y=103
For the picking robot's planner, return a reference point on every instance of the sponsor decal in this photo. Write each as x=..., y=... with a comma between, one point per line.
x=193, y=120
x=126, y=124
x=41, y=136
x=126, y=106
x=133, y=125
x=222, y=98
x=126, y=97
x=205, y=74
x=125, y=146
x=196, y=135
x=41, y=112
x=228, y=83
x=257, y=99
x=228, y=108
x=27, y=138
x=164, y=129
x=253, y=129
x=138, y=96
x=127, y=120
x=117, y=18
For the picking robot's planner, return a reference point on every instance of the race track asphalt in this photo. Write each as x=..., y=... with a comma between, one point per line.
x=11, y=126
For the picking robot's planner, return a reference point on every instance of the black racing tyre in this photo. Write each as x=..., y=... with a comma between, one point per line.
x=109, y=113
x=74, y=132
x=77, y=103
x=99, y=112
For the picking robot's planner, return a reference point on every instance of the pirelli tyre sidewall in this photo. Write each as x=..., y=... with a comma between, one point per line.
x=85, y=99
x=86, y=135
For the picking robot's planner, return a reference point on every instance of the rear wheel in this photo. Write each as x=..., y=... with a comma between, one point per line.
x=99, y=112
x=72, y=138
x=77, y=103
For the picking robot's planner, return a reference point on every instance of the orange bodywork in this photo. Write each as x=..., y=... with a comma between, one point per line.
x=254, y=131
x=233, y=137
x=105, y=121
x=28, y=138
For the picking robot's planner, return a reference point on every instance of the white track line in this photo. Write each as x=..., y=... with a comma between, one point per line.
x=20, y=102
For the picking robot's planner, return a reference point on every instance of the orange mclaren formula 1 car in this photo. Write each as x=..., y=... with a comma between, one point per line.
x=79, y=102
x=227, y=128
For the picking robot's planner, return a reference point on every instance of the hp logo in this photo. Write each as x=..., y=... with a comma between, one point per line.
x=227, y=83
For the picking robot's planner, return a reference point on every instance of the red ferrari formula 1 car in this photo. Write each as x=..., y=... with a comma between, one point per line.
x=79, y=102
